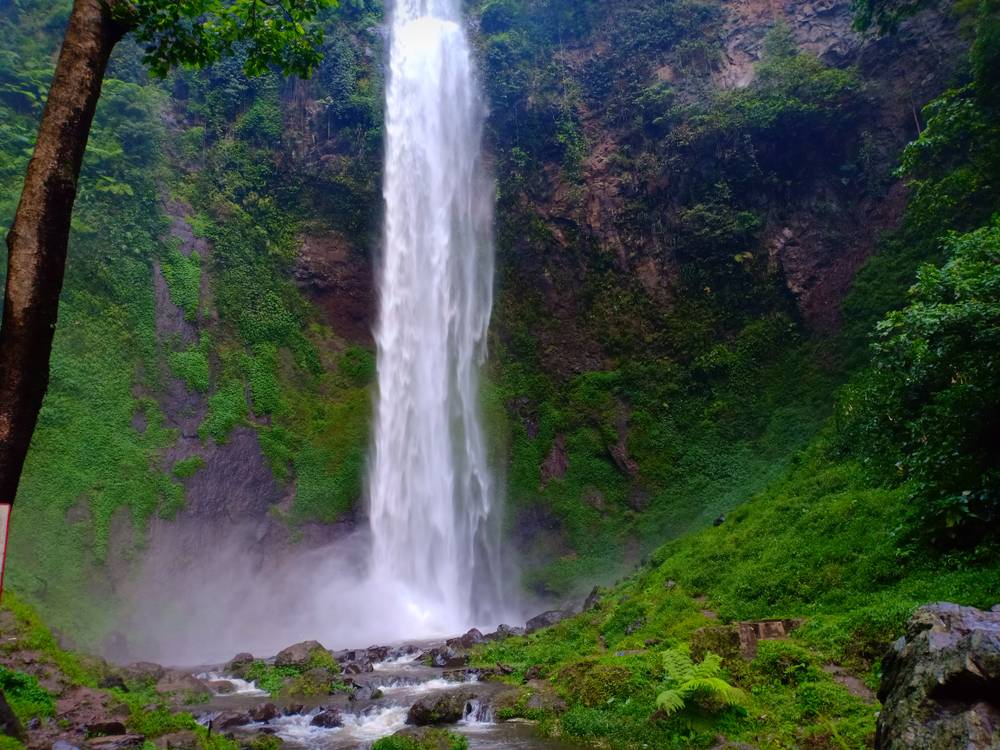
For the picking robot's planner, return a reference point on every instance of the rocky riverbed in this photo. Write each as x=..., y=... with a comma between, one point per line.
x=380, y=691
x=306, y=696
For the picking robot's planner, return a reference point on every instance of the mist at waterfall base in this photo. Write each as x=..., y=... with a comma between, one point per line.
x=429, y=563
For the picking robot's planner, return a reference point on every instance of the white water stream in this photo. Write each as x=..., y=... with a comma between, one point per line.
x=433, y=498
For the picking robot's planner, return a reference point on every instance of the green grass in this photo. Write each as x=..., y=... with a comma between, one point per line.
x=34, y=635
x=191, y=365
x=188, y=467
x=26, y=697
x=227, y=408
x=432, y=740
x=183, y=275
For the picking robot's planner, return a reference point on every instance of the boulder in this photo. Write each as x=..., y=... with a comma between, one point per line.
x=543, y=697
x=445, y=709
x=300, y=655
x=239, y=664
x=264, y=713
x=470, y=639
x=546, y=620
x=221, y=687
x=357, y=667
x=751, y=633
x=112, y=682
x=941, y=682
x=177, y=681
x=145, y=672
x=231, y=720
x=593, y=600
x=447, y=657
x=178, y=741
x=328, y=718
x=503, y=632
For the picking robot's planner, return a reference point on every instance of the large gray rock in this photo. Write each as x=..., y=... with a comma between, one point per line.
x=143, y=672
x=239, y=664
x=300, y=655
x=447, y=657
x=941, y=682
x=328, y=718
x=178, y=681
x=546, y=620
x=446, y=709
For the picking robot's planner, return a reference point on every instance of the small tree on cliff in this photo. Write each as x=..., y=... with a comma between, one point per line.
x=273, y=33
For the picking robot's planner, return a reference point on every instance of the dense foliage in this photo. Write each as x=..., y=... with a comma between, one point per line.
x=929, y=410
x=926, y=412
x=202, y=32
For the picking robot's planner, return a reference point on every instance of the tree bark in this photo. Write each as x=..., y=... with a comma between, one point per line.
x=40, y=233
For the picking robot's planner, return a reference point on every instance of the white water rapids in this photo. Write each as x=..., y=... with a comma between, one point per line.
x=433, y=498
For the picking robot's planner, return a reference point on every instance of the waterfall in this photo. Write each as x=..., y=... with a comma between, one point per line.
x=433, y=504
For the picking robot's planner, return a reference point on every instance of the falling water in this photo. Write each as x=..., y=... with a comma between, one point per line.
x=433, y=499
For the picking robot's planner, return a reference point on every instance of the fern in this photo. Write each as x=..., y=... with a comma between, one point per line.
x=685, y=681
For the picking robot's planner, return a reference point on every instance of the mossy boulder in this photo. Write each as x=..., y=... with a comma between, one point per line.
x=311, y=683
x=239, y=665
x=305, y=655
x=142, y=673
x=446, y=709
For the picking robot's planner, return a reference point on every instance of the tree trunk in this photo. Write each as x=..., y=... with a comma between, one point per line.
x=38, y=238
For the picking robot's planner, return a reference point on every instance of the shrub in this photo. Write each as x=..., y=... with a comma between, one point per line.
x=783, y=663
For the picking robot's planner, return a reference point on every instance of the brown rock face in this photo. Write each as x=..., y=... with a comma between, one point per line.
x=340, y=279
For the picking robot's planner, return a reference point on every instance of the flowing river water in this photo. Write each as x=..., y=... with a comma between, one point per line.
x=402, y=681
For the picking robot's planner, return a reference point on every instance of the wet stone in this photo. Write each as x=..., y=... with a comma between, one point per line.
x=329, y=718
x=264, y=713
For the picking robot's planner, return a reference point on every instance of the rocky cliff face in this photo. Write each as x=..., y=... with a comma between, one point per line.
x=650, y=208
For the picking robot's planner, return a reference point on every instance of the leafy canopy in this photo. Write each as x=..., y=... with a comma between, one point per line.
x=271, y=33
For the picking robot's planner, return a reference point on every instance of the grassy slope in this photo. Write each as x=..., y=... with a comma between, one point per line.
x=820, y=544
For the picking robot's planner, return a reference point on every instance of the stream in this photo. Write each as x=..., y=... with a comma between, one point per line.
x=402, y=681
